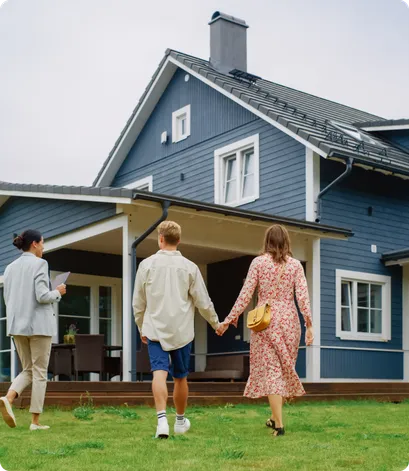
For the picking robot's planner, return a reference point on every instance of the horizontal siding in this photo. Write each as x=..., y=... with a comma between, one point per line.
x=216, y=122
x=396, y=137
x=346, y=205
x=50, y=217
x=352, y=364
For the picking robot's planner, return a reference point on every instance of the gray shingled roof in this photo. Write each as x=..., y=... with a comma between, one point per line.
x=395, y=255
x=181, y=202
x=306, y=115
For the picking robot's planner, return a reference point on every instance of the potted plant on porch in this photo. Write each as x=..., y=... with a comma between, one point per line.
x=70, y=333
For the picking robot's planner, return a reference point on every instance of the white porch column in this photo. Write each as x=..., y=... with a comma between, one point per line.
x=127, y=320
x=313, y=356
x=405, y=321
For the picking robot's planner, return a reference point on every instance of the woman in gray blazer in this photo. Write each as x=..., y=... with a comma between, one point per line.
x=31, y=322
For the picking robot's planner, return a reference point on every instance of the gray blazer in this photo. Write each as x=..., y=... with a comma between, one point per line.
x=28, y=297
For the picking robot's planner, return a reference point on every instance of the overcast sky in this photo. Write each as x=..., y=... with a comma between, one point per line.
x=71, y=71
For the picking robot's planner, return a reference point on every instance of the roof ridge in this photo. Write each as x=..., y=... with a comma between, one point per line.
x=281, y=85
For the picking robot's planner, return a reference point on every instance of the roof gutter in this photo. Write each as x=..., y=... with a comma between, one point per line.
x=165, y=208
x=341, y=177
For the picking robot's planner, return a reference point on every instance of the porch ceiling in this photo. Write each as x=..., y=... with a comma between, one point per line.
x=111, y=243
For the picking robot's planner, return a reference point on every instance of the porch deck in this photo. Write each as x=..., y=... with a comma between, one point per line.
x=69, y=394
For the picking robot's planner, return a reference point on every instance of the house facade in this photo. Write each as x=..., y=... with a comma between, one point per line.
x=226, y=153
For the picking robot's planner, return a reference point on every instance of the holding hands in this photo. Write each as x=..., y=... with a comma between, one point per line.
x=222, y=328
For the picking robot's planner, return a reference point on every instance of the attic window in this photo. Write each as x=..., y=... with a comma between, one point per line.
x=355, y=133
x=181, y=124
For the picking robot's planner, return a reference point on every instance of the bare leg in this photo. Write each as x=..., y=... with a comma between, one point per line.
x=35, y=419
x=160, y=389
x=276, y=404
x=180, y=395
x=11, y=395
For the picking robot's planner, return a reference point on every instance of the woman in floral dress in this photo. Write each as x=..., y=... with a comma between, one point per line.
x=273, y=351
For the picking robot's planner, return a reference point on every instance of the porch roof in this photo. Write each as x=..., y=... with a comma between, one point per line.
x=396, y=257
x=129, y=196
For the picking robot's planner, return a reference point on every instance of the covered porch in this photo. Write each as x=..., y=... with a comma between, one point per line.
x=220, y=240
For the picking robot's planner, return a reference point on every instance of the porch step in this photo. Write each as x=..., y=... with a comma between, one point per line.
x=72, y=393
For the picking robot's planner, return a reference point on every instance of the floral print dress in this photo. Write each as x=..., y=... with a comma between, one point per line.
x=274, y=350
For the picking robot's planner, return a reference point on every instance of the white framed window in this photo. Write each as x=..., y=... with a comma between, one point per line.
x=181, y=124
x=93, y=305
x=363, y=306
x=144, y=184
x=236, y=174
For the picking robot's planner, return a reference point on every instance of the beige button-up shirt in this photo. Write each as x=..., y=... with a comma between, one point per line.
x=168, y=287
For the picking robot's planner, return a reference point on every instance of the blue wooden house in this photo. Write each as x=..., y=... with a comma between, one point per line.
x=226, y=154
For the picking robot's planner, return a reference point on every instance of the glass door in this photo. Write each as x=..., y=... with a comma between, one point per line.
x=74, y=309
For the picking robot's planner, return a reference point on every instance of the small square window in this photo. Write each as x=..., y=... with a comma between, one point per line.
x=363, y=306
x=236, y=173
x=181, y=124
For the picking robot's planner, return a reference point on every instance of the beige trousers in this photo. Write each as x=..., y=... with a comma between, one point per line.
x=34, y=353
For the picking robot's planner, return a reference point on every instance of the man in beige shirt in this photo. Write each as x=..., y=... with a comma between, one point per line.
x=168, y=288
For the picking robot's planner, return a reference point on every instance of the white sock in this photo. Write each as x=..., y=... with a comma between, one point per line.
x=180, y=419
x=162, y=417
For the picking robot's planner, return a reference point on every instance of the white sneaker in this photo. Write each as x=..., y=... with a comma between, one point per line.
x=162, y=430
x=183, y=428
x=38, y=427
x=7, y=412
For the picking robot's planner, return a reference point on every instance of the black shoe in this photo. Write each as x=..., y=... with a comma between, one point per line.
x=270, y=423
x=278, y=431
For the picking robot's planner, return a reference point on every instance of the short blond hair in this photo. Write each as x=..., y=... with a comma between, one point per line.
x=171, y=232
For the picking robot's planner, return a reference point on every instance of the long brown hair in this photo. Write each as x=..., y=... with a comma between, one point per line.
x=277, y=243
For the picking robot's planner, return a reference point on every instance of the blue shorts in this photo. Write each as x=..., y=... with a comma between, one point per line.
x=176, y=362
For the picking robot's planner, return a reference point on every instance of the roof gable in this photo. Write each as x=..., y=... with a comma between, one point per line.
x=304, y=117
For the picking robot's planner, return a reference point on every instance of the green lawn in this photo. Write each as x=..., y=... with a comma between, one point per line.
x=320, y=436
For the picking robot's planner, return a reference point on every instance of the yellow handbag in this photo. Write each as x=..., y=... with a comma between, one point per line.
x=259, y=318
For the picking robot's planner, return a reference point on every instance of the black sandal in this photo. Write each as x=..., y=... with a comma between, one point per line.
x=270, y=423
x=278, y=431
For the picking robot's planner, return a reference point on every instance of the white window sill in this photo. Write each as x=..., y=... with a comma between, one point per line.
x=363, y=338
x=180, y=139
x=235, y=204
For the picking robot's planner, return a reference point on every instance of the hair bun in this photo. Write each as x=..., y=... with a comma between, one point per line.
x=18, y=242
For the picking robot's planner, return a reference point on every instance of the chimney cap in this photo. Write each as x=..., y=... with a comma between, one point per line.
x=218, y=15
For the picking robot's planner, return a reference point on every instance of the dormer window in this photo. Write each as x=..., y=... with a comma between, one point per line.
x=181, y=124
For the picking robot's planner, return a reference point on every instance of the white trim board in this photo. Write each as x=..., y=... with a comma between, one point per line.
x=313, y=352
x=399, y=127
x=312, y=183
x=98, y=228
x=145, y=109
x=141, y=182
